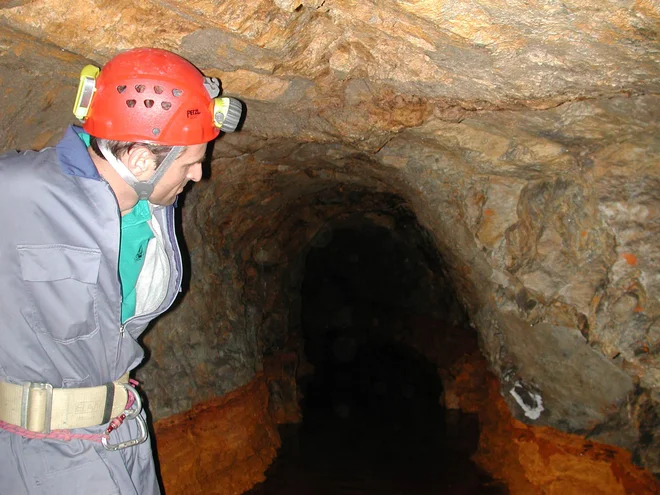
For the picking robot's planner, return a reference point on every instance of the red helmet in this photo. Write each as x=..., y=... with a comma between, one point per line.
x=149, y=95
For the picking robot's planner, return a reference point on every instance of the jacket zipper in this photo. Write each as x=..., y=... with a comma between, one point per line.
x=171, y=234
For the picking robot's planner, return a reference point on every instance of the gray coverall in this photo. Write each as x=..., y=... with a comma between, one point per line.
x=60, y=300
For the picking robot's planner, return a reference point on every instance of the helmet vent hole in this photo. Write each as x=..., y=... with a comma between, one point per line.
x=130, y=103
x=140, y=88
x=148, y=103
x=166, y=105
x=121, y=89
x=177, y=92
x=155, y=131
x=158, y=90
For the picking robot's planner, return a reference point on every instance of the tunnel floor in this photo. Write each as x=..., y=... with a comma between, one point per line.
x=373, y=425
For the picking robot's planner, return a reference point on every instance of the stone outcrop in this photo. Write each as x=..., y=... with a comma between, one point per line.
x=538, y=459
x=523, y=136
x=222, y=446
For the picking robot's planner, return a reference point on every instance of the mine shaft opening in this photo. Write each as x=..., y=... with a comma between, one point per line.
x=375, y=294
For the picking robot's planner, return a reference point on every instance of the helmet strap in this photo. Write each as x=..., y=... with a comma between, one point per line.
x=143, y=189
x=148, y=186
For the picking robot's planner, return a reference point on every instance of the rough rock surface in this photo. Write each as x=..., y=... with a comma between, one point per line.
x=522, y=135
x=528, y=458
x=222, y=446
x=538, y=459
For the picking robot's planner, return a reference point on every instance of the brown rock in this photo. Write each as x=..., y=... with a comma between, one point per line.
x=222, y=446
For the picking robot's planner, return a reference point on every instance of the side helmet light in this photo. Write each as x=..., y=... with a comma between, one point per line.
x=227, y=113
x=86, y=90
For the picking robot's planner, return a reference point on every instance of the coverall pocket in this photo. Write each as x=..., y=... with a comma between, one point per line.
x=68, y=468
x=61, y=283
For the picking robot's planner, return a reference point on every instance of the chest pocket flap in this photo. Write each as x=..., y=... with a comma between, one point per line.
x=59, y=262
x=61, y=286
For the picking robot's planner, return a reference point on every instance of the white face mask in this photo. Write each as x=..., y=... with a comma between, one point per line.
x=142, y=188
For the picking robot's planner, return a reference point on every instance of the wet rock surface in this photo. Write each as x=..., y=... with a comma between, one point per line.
x=523, y=137
x=222, y=446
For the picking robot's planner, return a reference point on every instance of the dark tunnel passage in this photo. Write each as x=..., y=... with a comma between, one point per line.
x=350, y=296
x=373, y=413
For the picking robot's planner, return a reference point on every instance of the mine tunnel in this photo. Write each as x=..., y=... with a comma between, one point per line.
x=437, y=219
x=373, y=412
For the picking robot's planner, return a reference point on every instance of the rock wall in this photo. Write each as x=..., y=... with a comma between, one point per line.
x=523, y=136
x=222, y=446
x=538, y=459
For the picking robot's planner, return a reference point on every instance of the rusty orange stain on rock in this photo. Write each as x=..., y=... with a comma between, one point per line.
x=530, y=459
x=539, y=459
x=221, y=446
x=630, y=258
x=488, y=212
x=638, y=309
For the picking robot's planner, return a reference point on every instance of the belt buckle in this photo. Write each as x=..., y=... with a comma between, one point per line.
x=27, y=402
x=133, y=413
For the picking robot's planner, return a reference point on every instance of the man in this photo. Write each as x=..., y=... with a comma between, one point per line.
x=88, y=257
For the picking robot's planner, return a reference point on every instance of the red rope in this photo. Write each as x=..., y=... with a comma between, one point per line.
x=63, y=435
